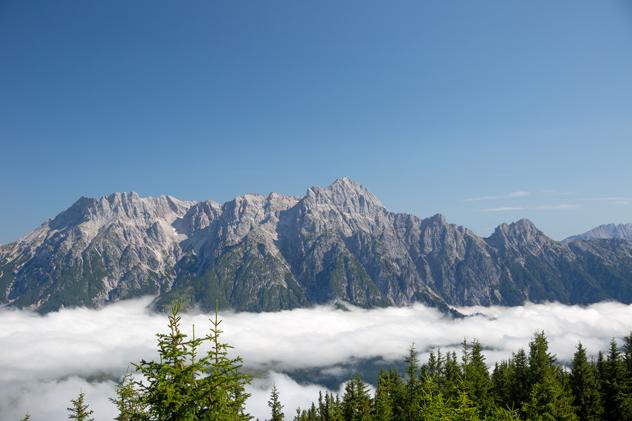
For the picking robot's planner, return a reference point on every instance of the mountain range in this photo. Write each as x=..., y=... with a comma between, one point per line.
x=274, y=252
x=607, y=231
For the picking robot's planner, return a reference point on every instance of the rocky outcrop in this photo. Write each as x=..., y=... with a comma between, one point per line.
x=605, y=232
x=262, y=253
x=97, y=251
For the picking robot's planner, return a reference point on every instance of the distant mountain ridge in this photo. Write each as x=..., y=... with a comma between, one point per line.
x=273, y=252
x=607, y=231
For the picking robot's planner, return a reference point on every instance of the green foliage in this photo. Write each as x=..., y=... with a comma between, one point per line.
x=389, y=399
x=129, y=402
x=413, y=388
x=169, y=389
x=224, y=395
x=476, y=379
x=548, y=399
x=528, y=386
x=356, y=402
x=245, y=277
x=183, y=385
x=275, y=405
x=79, y=409
x=585, y=388
x=329, y=407
x=615, y=384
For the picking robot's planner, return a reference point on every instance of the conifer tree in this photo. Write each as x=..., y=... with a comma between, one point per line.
x=583, y=382
x=329, y=408
x=79, y=409
x=310, y=414
x=430, y=369
x=464, y=410
x=275, y=405
x=391, y=396
x=452, y=378
x=476, y=378
x=548, y=399
x=600, y=367
x=412, y=370
x=169, y=386
x=129, y=402
x=520, y=381
x=617, y=403
x=627, y=363
x=433, y=406
x=356, y=402
x=501, y=380
x=540, y=361
x=383, y=403
x=627, y=357
x=339, y=415
x=224, y=387
x=184, y=386
x=412, y=401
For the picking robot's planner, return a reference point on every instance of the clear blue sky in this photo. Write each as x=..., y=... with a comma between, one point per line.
x=430, y=104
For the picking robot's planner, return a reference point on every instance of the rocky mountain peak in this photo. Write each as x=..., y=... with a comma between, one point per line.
x=119, y=206
x=347, y=195
x=256, y=207
x=198, y=217
x=606, y=231
x=438, y=219
x=523, y=227
x=131, y=205
x=110, y=220
x=519, y=236
x=344, y=206
x=77, y=213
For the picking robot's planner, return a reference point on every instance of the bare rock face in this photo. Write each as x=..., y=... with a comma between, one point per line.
x=605, y=232
x=261, y=253
x=97, y=251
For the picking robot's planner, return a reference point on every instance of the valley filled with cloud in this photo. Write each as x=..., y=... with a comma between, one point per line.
x=47, y=360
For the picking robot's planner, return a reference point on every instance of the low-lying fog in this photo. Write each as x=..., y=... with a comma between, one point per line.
x=46, y=360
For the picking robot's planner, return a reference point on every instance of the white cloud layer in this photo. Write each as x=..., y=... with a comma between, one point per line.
x=44, y=360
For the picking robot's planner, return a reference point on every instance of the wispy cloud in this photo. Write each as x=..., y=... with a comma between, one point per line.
x=558, y=206
x=512, y=195
x=504, y=209
x=615, y=200
x=553, y=192
x=545, y=195
x=555, y=206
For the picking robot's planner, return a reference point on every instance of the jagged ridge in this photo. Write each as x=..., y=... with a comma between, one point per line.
x=607, y=231
x=261, y=253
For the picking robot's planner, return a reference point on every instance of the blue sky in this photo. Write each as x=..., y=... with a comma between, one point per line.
x=484, y=111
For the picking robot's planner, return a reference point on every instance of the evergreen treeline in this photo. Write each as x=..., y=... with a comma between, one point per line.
x=528, y=386
x=187, y=385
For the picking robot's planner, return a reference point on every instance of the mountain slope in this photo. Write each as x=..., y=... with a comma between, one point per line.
x=262, y=253
x=608, y=231
x=98, y=250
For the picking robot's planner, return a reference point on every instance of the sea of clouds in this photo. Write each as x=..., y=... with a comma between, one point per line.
x=46, y=360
